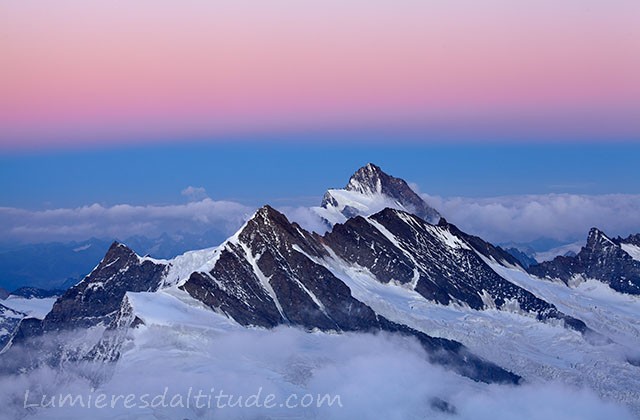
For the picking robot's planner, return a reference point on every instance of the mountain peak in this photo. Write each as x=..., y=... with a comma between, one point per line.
x=268, y=215
x=368, y=191
x=368, y=180
x=631, y=239
x=602, y=258
x=597, y=239
x=118, y=249
x=268, y=222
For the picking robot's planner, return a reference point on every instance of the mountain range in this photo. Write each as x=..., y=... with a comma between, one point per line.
x=390, y=264
x=59, y=265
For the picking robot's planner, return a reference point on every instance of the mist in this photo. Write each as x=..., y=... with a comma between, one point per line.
x=562, y=217
x=368, y=376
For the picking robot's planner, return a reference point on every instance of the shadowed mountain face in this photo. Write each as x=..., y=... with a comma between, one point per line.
x=270, y=273
x=273, y=272
x=439, y=262
x=95, y=299
x=615, y=262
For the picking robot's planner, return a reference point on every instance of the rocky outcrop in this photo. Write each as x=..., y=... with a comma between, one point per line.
x=603, y=259
x=97, y=298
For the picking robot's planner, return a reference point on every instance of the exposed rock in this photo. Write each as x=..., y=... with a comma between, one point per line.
x=602, y=258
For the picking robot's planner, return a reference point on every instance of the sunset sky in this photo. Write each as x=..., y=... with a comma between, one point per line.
x=517, y=118
x=76, y=73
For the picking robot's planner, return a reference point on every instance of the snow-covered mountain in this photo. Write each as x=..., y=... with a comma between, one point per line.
x=370, y=190
x=613, y=261
x=270, y=273
x=17, y=310
x=393, y=273
x=9, y=320
x=54, y=266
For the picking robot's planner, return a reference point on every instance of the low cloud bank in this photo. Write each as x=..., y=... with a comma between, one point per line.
x=121, y=221
x=563, y=217
x=379, y=376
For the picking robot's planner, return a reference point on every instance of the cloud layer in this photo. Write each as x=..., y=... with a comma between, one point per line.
x=562, y=217
x=121, y=221
x=379, y=376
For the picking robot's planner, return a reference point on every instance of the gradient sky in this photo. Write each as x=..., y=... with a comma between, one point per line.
x=77, y=73
x=290, y=173
x=518, y=192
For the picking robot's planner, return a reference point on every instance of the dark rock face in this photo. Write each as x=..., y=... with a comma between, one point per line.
x=98, y=300
x=267, y=278
x=451, y=354
x=29, y=327
x=273, y=272
x=440, y=405
x=602, y=258
x=26, y=347
x=436, y=261
x=631, y=239
x=370, y=179
x=98, y=297
x=358, y=242
x=3, y=294
x=109, y=346
x=523, y=258
x=271, y=275
x=483, y=247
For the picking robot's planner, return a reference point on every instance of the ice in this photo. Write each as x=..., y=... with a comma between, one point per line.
x=174, y=307
x=632, y=250
x=613, y=314
x=537, y=351
x=182, y=266
x=34, y=308
x=365, y=204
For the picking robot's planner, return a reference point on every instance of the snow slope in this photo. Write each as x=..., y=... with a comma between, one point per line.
x=632, y=250
x=537, y=351
x=34, y=308
x=183, y=349
x=359, y=203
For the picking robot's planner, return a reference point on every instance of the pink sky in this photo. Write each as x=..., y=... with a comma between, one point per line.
x=76, y=72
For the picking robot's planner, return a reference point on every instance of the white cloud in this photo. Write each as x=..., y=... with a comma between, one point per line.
x=120, y=221
x=306, y=217
x=376, y=376
x=195, y=193
x=564, y=217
